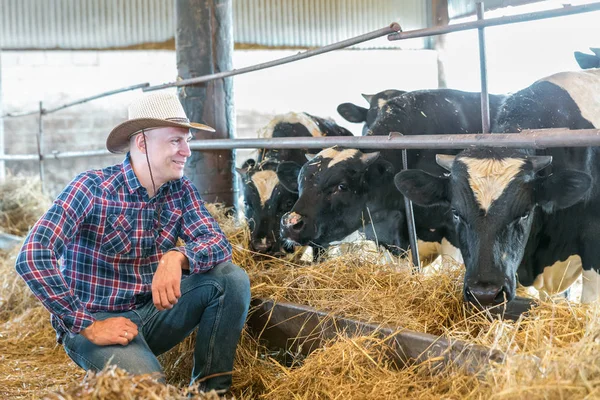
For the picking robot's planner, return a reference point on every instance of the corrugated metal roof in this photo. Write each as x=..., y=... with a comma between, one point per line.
x=463, y=8
x=97, y=24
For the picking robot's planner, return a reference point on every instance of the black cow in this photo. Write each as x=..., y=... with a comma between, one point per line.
x=520, y=214
x=265, y=199
x=354, y=113
x=318, y=218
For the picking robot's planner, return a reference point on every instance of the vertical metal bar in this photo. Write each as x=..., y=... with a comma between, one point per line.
x=485, y=98
x=40, y=145
x=2, y=163
x=410, y=219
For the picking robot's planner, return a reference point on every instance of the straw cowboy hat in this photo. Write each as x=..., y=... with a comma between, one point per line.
x=152, y=111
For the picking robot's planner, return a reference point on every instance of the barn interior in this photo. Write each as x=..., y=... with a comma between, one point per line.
x=360, y=323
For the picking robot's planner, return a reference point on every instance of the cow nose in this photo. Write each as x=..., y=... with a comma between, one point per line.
x=487, y=294
x=292, y=222
x=262, y=245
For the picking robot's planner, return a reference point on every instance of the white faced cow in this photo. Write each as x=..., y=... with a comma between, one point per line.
x=523, y=215
x=265, y=199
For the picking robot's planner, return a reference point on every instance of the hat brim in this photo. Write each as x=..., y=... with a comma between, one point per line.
x=118, y=138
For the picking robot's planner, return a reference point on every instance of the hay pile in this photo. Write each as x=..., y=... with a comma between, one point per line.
x=554, y=353
x=21, y=204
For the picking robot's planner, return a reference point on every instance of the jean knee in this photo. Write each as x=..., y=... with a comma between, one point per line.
x=237, y=284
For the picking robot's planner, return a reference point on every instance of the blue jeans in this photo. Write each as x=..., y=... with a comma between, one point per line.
x=216, y=302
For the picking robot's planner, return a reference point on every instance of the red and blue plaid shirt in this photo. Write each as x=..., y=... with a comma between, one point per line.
x=98, y=246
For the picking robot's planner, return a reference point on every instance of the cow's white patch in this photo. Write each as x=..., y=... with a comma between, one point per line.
x=584, y=89
x=590, y=290
x=291, y=118
x=336, y=155
x=559, y=276
x=448, y=250
x=265, y=182
x=489, y=177
x=381, y=103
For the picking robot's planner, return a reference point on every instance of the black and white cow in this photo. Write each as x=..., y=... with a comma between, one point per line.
x=318, y=217
x=344, y=190
x=523, y=215
x=357, y=114
x=265, y=199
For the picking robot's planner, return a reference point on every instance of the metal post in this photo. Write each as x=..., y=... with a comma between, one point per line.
x=2, y=163
x=485, y=98
x=410, y=219
x=40, y=145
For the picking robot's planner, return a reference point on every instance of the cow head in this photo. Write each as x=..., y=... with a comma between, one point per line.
x=334, y=190
x=265, y=201
x=493, y=196
x=353, y=113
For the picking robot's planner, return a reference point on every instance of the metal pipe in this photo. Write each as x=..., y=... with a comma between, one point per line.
x=40, y=145
x=531, y=139
x=81, y=101
x=410, y=219
x=394, y=27
x=485, y=98
x=105, y=94
x=439, y=30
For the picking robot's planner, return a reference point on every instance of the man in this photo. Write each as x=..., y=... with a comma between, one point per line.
x=105, y=259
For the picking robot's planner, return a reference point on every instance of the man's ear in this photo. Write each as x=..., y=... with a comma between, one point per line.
x=140, y=143
x=352, y=113
x=288, y=172
x=562, y=189
x=422, y=188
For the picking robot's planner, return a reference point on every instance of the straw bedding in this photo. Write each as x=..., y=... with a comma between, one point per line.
x=553, y=353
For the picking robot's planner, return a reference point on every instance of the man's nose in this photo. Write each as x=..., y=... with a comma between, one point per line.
x=185, y=150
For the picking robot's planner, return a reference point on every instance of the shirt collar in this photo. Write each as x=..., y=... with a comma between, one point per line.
x=131, y=180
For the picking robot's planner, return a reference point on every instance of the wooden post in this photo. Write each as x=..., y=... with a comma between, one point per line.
x=204, y=44
x=440, y=17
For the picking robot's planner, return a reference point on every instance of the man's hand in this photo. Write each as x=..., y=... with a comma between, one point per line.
x=118, y=330
x=167, y=280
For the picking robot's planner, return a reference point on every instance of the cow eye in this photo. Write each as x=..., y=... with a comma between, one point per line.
x=342, y=187
x=456, y=216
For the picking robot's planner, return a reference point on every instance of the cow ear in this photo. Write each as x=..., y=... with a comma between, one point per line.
x=445, y=161
x=288, y=172
x=562, y=189
x=422, y=188
x=352, y=113
x=369, y=158
x=379, y=172
x=367, y=97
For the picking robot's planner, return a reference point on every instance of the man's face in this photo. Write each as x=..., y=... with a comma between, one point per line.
x=168, y=150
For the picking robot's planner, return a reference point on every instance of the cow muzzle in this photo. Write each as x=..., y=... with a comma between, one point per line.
x=262, y=245
x=293, y=226
x=487, y=294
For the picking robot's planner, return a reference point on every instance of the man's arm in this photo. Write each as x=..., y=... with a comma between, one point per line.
x=205, y=243
x=37, y=262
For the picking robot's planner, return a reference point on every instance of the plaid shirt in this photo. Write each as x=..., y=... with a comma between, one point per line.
x=98, y=246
